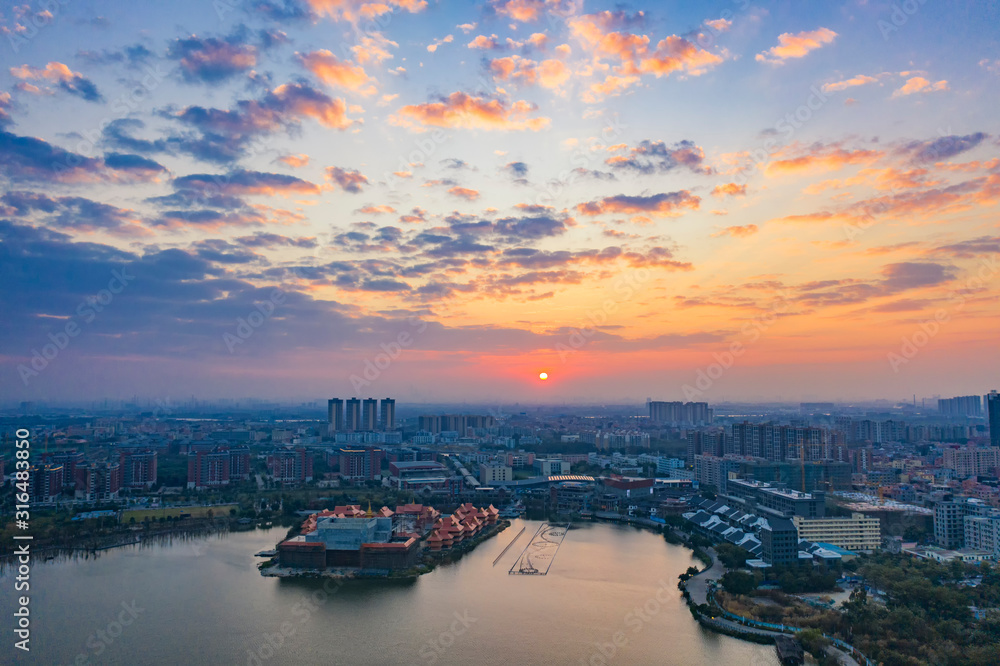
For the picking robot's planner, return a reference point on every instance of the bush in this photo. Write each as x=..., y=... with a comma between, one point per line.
x=733, y=557
x=738, y=582
x=798, y=579
x=813, y=642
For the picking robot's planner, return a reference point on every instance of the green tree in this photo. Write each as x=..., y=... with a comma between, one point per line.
x=814, y=642
x=738, y=582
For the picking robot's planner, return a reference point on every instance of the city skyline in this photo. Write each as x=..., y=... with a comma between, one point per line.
x=440, y=201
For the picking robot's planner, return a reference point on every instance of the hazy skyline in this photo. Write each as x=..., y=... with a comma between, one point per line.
x=747, y=199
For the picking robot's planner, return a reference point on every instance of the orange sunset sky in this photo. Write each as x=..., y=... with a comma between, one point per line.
x=437, y=201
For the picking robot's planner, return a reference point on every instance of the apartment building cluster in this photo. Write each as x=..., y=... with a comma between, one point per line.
x=354, y=415
x=216, y=465
x=805, y=476
x=972, y=460
x=290, y=466
x=610, y=440
x=679, y=413
x=966, y=523
x=357, y=463
x=68, y=475
x=461, y=425
x=968, y=406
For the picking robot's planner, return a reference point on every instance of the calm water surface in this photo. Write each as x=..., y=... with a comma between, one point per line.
x=203, y=602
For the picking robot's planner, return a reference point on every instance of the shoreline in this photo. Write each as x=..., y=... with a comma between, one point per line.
x=703, y=621
x=429, y=561
x=132, y=537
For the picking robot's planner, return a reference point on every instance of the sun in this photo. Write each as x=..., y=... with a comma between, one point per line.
x=543, y=375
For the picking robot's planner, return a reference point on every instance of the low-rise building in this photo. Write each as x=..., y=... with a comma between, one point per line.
x=858, y=533
x=423, y=475
x=569, y=497
x=489, y=474
x=551, y=466
x=352, y=538
x=782, y=500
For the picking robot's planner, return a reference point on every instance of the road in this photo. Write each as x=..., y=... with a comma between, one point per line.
x=845, y=659
x=697, y=586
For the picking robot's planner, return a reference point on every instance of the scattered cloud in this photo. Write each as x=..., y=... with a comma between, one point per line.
x=648, y=157
x=729, y=190
x=464, y=193
x=295, y=161
x=461, y=110
x=348, y=180
x=859, y=80
x=670, y=204
x=62, y=77
x=337, y=73
x=737, y=231
x=796, y=45
x=919, y=84
x=433, y=46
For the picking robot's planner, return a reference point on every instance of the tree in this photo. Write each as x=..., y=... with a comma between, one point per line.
x=813, y=641
x=733, y=557
x=738, y=582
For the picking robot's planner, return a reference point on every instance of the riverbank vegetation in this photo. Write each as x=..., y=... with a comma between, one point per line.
x=921, y=612
x=909, y=612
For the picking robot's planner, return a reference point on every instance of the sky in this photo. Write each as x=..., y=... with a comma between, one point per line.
x=439, y=200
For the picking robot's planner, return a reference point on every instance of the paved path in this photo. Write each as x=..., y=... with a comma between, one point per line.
x=697, y=586
x=845, y=659
x=736, y=626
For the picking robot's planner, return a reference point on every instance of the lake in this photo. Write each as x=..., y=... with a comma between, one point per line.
x=610, y=596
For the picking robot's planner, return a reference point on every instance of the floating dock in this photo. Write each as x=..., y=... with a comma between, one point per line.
x=537, y=556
